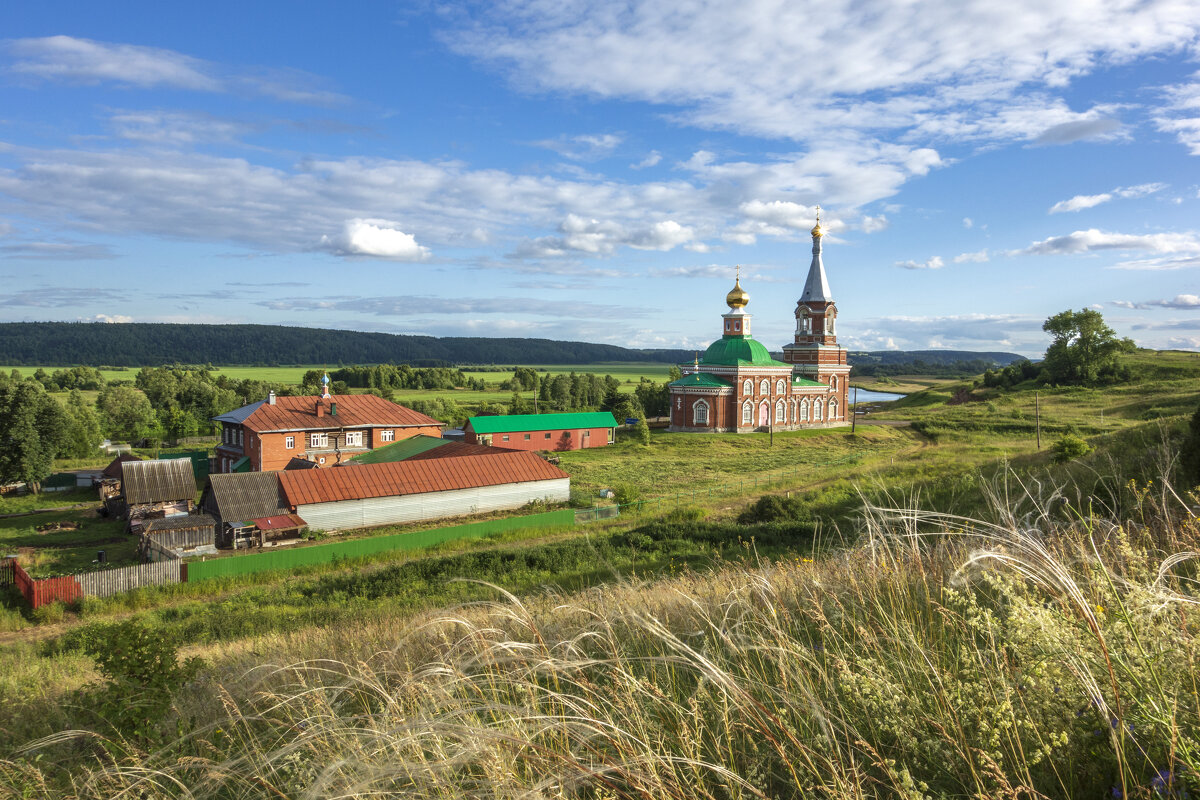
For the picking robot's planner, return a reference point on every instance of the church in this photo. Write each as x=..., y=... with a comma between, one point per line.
x=737, y=387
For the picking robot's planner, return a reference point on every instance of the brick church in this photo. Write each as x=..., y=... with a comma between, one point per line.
x=737, y=387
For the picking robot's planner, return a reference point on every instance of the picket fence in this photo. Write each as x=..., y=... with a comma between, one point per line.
x=102, y=583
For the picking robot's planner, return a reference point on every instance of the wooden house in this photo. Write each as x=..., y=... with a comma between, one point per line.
x=156, y=489
x=249, y=510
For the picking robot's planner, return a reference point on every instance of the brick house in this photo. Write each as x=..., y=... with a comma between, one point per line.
x=266, y=435
x=571, y=431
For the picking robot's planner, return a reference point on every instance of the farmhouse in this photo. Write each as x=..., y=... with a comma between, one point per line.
x=266, y=435
x=421, y=489
x=156, y=489
x=543, y=431
x=738, y=387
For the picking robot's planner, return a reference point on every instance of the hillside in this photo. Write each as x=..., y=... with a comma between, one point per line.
x=53, y=344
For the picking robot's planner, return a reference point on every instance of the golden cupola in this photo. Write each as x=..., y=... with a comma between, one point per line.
x=738, y=297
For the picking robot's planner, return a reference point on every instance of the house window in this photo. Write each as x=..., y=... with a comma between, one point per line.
x=779, y=414
x=817, y=410
x=587, y=434
x=239, y=435
x=779, y=388
x=547, y=435
x=289, y=442
x=747, y=413
x=764, y=387
x=504, y=438
x=321, y=460
x=747, y=387
x=700, y=412
x=354, y=439
x=318, y=440
x=804, y=410
x=387, y=436
x=527, y=437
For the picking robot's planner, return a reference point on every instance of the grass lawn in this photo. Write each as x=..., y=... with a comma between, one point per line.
x=67, y=551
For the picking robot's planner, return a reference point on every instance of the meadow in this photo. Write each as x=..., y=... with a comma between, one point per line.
x=936, y=610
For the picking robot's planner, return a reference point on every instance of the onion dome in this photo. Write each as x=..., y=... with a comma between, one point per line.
x=817, y=229
x=737, y=297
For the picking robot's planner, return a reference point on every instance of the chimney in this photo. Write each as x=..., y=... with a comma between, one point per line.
x=320, y=409
x=333, y=409
x=271, y=397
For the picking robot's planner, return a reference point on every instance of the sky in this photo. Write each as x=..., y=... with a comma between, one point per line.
x=593, y=171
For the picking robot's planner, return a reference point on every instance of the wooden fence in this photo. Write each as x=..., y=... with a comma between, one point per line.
x=69, y=588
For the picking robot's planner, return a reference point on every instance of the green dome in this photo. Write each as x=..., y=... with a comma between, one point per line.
x=733, y=351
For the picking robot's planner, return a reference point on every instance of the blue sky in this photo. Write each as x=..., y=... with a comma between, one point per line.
x=593, y=171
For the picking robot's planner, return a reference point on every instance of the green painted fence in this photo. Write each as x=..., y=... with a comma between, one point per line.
x=357, y=548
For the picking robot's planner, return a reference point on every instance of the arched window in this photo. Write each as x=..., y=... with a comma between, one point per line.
x=805, y=323
x=780, y=386
x=804, y=410
x=829, y=323
x=833, y=382
x=833, y=405
x=748, y=387
x=700, y=412
x=779, y=415
x=764, y=387
x=747, y=412
x=817, y=410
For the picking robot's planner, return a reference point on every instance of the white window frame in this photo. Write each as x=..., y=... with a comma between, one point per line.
x=318, y=440
x=387, y=435
x=747, y=413
x=748, y=387
x=700, y=413
x=764, y=387
x=817, y=409
x=354, y=438
x=289, y=442
x=780, y=411
x=833, y=408
x=780, y=386
x=804, y=410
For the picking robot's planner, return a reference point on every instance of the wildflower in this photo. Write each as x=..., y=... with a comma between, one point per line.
x=1100, y=609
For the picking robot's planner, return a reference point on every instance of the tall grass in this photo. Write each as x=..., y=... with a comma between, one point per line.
x=1036, y=651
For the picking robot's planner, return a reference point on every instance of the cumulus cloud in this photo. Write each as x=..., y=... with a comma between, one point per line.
x=112, y=318
x=1092, y=240
x=874, y=224
x=1181, y=115
x=602, y=237
x=1082, y=201
x=378, y=238
x=651, y=159
x=978, y=257
x=68, y=59
x=959, y=331
x=933, y=263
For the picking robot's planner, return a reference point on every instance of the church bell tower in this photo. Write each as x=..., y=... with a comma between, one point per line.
x=814, y=352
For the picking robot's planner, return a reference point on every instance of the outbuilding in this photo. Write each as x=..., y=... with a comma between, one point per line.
x=176, y=537
x=572, y=431
x=157, y=488
x=249, y=509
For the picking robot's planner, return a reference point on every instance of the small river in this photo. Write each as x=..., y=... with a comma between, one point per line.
x=867, y=396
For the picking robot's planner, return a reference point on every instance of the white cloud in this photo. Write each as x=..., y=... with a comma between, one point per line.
x=1180, y=301
x=68, y=59
x=1181, y=115
x=933, y=263
x=1162, y=264
x=968, y=222
x=874, y=224
x=1092, y=240
x=375, y=237
x=978, y=257
x=602, y=237
x=651, y=159
x=113, y=318
x=1082, y=201
x=585, y=147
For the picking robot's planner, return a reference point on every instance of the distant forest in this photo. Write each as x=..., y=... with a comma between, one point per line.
x=948, y=363
x=61, y=344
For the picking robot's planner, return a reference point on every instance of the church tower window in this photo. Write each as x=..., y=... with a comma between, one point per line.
x=833, y=382
x=700, y=412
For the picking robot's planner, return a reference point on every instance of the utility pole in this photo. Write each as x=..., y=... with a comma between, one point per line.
x=854, y=411
x=1037, y=415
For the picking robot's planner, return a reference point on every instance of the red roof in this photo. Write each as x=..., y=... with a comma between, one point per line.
x=281, y=522
x=414, y=477
x=353, y=411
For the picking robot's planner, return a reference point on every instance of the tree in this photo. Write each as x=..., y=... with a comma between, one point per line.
x=83, y=428
x=32, y=428
x=125, y=413
x=1084, y=349
x=643, y=431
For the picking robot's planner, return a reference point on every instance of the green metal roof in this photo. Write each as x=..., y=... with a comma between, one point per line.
x=797, y=381
x=702, y=379
x=514, y=423
x=738, y=351
x=401, y=450
x=241, y=465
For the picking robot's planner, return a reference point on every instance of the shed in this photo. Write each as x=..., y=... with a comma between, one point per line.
x=422, y=489
x=571, y=431
x=237, y=499
x=157, y=488
x=176, y=537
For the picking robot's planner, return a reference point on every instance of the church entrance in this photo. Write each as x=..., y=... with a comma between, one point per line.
x=763, y=415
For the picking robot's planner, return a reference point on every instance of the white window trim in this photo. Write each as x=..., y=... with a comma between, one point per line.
x=764, y=387
x=747, y=413
x=780, y=386
x=748, y=387
x=387, y=435
x=354, y=438
x=318, y=440
x=780, y=411
x=697, y=408
x=817, y=409
x=833, y=408
x=289, y=442
x=804, y=410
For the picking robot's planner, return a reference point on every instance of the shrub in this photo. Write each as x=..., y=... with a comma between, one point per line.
x=773, y=508
x=1069, y=447
x=629, y=496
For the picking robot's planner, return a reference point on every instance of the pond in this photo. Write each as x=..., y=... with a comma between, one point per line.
x=868, y=396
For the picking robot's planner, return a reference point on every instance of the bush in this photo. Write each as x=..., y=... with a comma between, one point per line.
x=773, y=508
x=1069, y=447
x=629, y=496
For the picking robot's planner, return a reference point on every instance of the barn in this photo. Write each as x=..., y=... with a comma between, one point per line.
x=157, y=488
x=421, y=489
x=572, y=431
